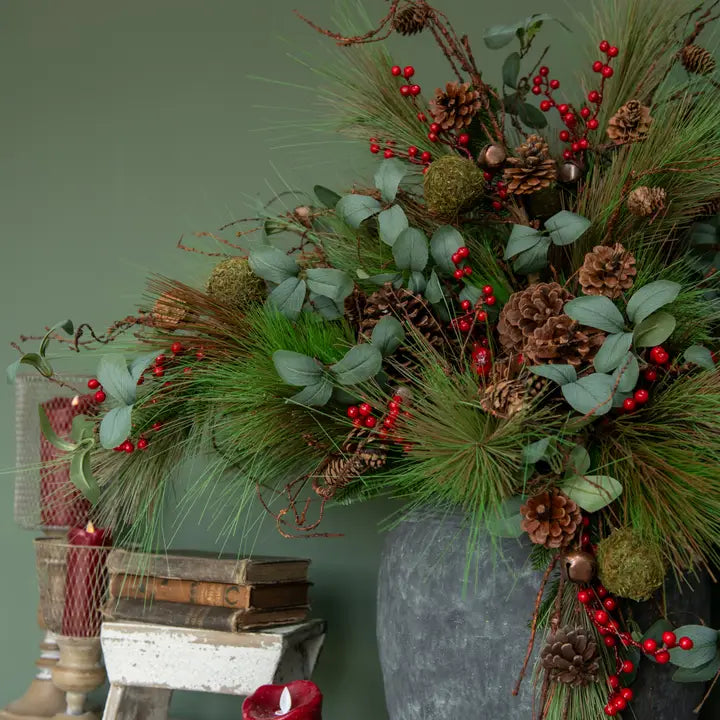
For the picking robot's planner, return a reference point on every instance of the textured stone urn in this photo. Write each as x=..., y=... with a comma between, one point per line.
x=453, y=653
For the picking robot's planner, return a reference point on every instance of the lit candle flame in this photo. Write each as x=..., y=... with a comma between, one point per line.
x=75, y=401
x=285, y=703
x=90, y=528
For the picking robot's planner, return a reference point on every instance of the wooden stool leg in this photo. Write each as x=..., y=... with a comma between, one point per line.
x=136, y=703
x=112, y=705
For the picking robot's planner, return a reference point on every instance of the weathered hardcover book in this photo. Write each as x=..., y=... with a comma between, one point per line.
x=199, y=616
x=209, y=567
x=193, y=592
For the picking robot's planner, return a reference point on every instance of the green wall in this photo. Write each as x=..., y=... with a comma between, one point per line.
x=124, y=125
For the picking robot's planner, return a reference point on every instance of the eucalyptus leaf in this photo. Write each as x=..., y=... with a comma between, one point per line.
x=532, y=116
x=505, y=521
x=315, y=395
x=288, y=297
x=297, y=369
x=360, y=363
x=51, y=436
x=613, y=351
x=596, y=311
x=446, y=241
x=411, y=250
x=388, y=335
x=113, y=374
x=66, y=325
x=417, y=282
x=655, y=329
x=391, y=223
x=651, y=297
x=566, y=227
x=471, y=293
x=272, y=264
x=328, y=308
x=591, y=394
x=592, y=492
x=561, y=374
x=578, y=462
x=329, y=198
x=355, y=208
x=701, y=356
x=330, y=282
x=536, y=451
x=702, y=673
x=116, y=426
x=383, y=278
x=511, y=69
x=521, y=238
x=140, y=364
x=433, y=289
x=81, y=475
x=388, y=177
x=38, y=362
x=499, y=36
x=628, y=371
x=534, y=259
x=705, y=646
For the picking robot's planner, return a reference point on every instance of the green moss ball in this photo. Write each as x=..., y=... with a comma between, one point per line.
x=452, y=184
x=233, y=283
x=630, y=566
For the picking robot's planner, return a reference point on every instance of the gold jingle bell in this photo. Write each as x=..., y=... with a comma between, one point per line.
x=492, y=157
x=579, y=566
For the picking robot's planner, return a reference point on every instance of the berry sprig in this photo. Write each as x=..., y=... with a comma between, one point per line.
x=465, y=322
x=458, y=258
x=578, y=124
x=99, y=396
x=362, y=416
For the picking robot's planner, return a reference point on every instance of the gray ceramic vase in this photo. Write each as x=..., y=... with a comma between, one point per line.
x=454, y=654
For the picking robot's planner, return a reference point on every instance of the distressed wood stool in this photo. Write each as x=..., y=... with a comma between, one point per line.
x=145, y=663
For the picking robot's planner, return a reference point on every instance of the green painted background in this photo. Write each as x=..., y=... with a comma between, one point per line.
x=124, y=125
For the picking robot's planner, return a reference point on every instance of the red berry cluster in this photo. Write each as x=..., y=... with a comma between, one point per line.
x=94, y=384
x=458, y=259
x=465, y=322
x=362, y=416
x=481, y=358
x=578, y=124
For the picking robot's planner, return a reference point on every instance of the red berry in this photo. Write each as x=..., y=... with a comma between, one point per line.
x=488, y=290
x=199, y=355
x=481, y=316
x=601, y=617
x=537, y=80
x=158, y=371
x=415, y=90
x=463, y=251
x=434, y=127
x=594, y=96
x=593, y=124
x=405, y=90
x=614, y=681
x=100, y=396
x=586, y=521
x=567, y=154
x=142, y=443
x=176, y=348
x=490, y=300
x=412, y=151
x=456, y=259
x=607, y=72
x=364, y=409
x=686, y=643
x=659, y=355
x=627, y=694
x=536, y=90
x=421, y=117
x=488, y=176
x=613, y=51
x=601, y=591
x=575, y=147
x=597, y=66
x=627, y=666
x=585, y=539
x=93, y=383
x=544, y=70
x=641, y=396
x=370, y=421
x=629, y=404
x=157, y=426
x=502, y=193
x=396, y=70
x=464, y=326
x=409, y=71
x=649, y=645
x=610, y=641
x=585, y=113
x=374, y=148
x=620, y=703
x=464, y=139
x=545, y=105
x=128, y=447
x=388, y=153
x=397, y=398
x=141, y=380
x=562, y=109
x=604, y=46
x=160, y=359
x=389, y=422
x=358, y=422
x=669, y=639
x=394, y=406
x=554, y=84
x=497, y=205
x=564, y=135
x=584, y=597
x=584, y=144
x=425, y=157
x=610, y=604
x=467, y=270
x=465, y=305
x=663, y=657
x=432, y=137
x=569, y=119
x=610, y=710
x=353, y=411
x=458, y=274
x=651, y=375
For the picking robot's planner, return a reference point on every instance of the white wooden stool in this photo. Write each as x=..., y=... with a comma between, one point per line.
x=145, y=663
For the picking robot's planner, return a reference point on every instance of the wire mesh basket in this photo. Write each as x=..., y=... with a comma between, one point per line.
x=73, y=583
x=44, y=496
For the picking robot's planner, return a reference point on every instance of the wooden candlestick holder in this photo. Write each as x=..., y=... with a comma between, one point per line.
x=78, y=671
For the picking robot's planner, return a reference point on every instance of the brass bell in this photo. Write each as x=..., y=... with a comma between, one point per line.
x=580, y=566
x=492, y=157
x=569, y=172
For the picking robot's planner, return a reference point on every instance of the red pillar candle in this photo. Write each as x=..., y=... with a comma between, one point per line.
x=268, y=703
x=85, y=580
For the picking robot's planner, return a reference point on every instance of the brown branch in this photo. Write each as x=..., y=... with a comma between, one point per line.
x=707, y=694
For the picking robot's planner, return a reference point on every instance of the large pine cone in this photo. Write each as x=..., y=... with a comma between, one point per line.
x=646, y=201
x=532, y=169
x=551, y=518
x=562, y=340
x=570, y=656
x=697, y=60
x=631, y=123
x=607, y=271
x=528, y=310
x=456, y=106
x=412, y=18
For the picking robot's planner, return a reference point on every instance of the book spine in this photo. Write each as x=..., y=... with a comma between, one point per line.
x=175, y=614
x=180, y=567
x=190, y=592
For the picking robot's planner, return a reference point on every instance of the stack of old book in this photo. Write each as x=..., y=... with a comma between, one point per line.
x=202, y=590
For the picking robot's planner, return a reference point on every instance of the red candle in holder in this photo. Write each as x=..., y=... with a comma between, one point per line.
x=85, y=580
x=298, y=700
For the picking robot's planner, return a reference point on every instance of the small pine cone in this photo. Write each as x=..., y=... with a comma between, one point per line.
x=527, y=310
x=607, y=271
x=646, y=201
x=551, y=519
x=709, y=208
x=504, y=399
x=562, y=340
x=412, y=18
x=631, y=123
x=169, y=312
x=456, y=106
x=532, y=169
x=535, y=385
x=697, y=60
x=570, y=656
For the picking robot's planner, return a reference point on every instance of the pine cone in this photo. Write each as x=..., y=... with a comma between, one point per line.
x=412, y=18
x=456, y=106
x=528, y=310
x=504, y=399
x=646, y=201
x=562, y=340
x=551, y=518
x=410, y=309
x=697, y=60
x=709, y=208
x=532, y=170
x=607, y=271
x=534, y=385
x=631, y=123
x=570, y=656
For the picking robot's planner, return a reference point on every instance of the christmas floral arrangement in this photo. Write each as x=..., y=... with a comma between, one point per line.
x=517, y=318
